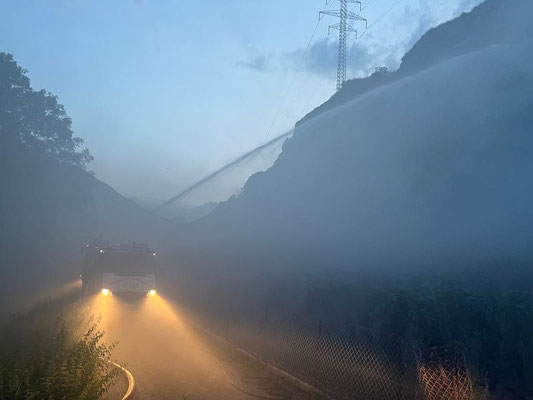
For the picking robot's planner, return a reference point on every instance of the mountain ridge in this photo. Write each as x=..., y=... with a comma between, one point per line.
x=320, y=203
x=457, y=36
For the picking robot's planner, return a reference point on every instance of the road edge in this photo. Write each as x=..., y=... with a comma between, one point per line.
x=131, y=382
x=296, y=381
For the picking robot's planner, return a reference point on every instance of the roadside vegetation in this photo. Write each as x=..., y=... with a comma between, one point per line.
x=493, y=329
x=484, y=313
x=47, y=357
x=43, y=183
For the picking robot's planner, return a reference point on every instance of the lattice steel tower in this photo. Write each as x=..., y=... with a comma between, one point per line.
x=344, y=15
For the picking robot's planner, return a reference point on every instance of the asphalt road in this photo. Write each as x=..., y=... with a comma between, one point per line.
x=171, y=359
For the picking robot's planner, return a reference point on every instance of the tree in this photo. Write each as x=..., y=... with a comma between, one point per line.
x=35, y=120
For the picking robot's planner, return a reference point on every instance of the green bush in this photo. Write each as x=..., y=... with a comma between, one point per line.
x=57, y=364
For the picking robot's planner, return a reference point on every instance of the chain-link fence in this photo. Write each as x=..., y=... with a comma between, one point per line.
x=444, y=375
x=352, y=363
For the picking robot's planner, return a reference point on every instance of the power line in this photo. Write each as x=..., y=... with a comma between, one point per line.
x=313, y=95
x=293, y=78
x=319, y=84
x=371, y=26
x=367, y=4
x=212, y=175
x=344, y=15
x=292, y=82
x=265, y=143
x=384, y=15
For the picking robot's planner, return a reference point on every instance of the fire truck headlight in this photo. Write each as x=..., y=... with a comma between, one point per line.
x=151, y=293
x=106, y=292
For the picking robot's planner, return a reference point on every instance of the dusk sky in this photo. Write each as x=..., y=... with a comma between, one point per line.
x=164, y=92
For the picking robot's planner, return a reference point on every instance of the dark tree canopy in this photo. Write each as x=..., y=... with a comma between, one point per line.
x=35, y=119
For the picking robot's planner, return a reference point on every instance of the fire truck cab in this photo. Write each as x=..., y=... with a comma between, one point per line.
x=127, y=268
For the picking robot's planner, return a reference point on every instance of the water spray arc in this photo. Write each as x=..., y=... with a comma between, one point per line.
x=222, y=169
x=344, y=15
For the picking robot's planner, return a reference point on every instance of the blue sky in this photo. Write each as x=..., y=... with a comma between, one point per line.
x=166, y=91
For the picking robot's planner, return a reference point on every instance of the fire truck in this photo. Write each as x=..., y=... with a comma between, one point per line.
x=127, y=268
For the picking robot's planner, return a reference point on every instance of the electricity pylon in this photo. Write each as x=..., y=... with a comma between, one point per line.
x=344, y=15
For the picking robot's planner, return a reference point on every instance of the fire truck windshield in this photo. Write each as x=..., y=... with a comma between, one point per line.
x=126, y=262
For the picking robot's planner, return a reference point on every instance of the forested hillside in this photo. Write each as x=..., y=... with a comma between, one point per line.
x=402, y=205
